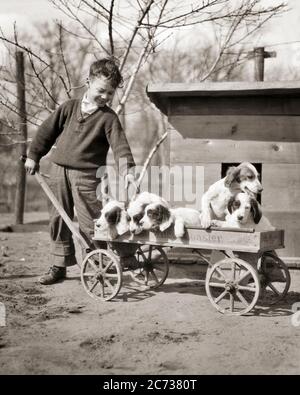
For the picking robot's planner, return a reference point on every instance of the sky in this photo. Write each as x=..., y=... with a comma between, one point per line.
x=280, y=30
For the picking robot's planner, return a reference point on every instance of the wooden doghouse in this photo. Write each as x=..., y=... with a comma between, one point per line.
x=215, y=125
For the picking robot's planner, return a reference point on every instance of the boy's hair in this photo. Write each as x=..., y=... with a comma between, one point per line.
x=107, y=67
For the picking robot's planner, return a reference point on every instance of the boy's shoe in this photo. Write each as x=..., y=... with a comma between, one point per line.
x=54, y=274
x=129, y=262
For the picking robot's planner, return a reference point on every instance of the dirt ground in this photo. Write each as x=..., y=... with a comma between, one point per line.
x=59, y=329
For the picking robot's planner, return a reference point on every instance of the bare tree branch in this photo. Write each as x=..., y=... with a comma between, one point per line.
x=134, y=32
x=212, y=17
x=31, y=53
x=143, y=54
x=41, y=81
x=95, y=9
x=62, y=55
x=110, y=20
x=82, y=23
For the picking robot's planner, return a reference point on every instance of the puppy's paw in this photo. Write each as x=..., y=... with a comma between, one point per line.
x=179, y=229
x=179, y=234
x=216, y=223
x=155, y=229
x=205, y=220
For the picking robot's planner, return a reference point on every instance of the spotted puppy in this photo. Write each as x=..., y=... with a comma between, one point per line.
x=243, y=178
x=159, y=217
x=136, y=209
x=113, y=219
x=244, y=212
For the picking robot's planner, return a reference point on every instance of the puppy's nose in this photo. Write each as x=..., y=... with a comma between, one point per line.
x=260, y=189
x=240, y=217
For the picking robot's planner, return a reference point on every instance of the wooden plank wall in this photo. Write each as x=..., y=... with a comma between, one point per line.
x=287, y=105
x=239, y=127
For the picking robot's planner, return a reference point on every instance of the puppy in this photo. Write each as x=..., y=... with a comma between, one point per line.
x=113, y=219
x=137, y=207
x=159, y=217
x=244, y=212
x=243, y=178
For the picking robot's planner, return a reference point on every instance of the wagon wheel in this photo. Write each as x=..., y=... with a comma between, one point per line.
x=275, y=278
x=101, y=275
x=153, y=267
x=232, y=286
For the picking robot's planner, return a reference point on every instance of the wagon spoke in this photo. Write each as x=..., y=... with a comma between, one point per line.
x=88, y=274
x=231, y=302
x=157, y=267
x=107, y=282
x=221, y=273
x=144, y=256
x=242, y=299
x=111, y=275
x=244, y=288
x=146, y=277
x=100, y=261
x=150, y=253
x=93, y=285
x=92, y=263
x=270, y=285
x=102, y=289
x=154, y=275
x=233, y=272
x=239, y=272
x=217, y=285
x=220, y=297
x=247, y=273
x=108, y=266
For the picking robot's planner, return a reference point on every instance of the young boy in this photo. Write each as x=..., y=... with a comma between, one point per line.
x=84, y=128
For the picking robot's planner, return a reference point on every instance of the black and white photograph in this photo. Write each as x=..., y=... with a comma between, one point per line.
x=149, y=190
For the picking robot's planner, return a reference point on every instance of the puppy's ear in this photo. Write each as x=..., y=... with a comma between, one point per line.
x=256, y=211
x=231, y=175
x=113, y=216
x=165, y=218
x=230, y=204
x=112, y=232
x=163, y=213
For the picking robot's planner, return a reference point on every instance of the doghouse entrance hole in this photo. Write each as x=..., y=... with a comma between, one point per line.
x=258, y=167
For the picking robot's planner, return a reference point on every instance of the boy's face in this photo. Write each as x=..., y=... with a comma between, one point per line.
x=100, y=90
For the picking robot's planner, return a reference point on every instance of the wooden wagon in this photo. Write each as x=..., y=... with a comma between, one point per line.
x=250, y=268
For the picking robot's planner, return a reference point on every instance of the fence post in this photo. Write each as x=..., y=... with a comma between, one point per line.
x=21, y=148
x=259, y=54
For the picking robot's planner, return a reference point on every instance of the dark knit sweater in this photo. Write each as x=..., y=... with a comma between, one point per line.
x=82, y=143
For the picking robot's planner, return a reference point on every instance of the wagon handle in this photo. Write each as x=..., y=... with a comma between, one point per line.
x=40, y=179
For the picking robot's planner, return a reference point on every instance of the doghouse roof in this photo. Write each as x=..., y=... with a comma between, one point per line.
x=161, y=94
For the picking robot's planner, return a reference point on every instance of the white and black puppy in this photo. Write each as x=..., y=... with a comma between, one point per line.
x=243, y=178
x=159, y=217
x=244, y=212
x=113, y=219
x=136, y=209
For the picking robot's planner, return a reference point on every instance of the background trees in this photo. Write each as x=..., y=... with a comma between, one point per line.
x=154, y=41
